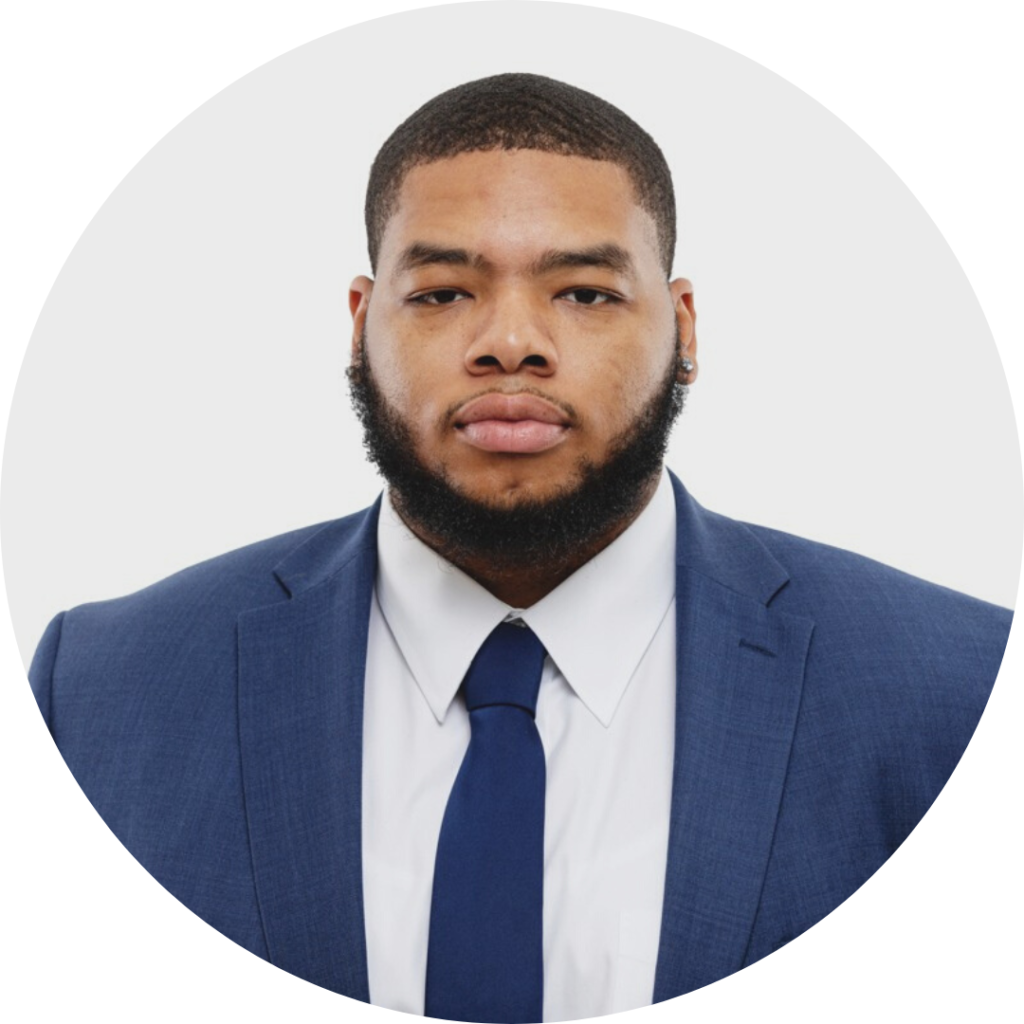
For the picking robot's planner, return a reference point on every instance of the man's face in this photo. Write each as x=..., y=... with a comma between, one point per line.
x=520, y=324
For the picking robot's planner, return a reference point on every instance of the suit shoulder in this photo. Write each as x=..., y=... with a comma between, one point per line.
x=827, y=580
x=207, y=593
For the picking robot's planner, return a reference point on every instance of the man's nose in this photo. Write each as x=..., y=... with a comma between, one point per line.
x=513, y=337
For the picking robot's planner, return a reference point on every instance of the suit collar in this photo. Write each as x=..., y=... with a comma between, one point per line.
x=724, y=550
x=326, y=554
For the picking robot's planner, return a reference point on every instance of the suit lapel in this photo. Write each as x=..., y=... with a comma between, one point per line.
x=740, y=667
x=301, y=670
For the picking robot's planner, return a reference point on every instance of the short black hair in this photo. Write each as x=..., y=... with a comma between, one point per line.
x=522, y=111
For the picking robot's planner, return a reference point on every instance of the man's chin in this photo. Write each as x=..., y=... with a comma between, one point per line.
x=506, y=493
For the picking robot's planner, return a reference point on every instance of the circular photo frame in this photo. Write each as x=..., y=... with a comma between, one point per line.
x=183, y=393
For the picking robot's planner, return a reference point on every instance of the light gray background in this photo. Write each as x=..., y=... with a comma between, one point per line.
x=183, y=392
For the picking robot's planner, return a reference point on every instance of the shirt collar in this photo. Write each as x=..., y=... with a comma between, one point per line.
x=596, y=625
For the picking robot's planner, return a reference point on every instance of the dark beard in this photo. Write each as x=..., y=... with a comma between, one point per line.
x=549, y=532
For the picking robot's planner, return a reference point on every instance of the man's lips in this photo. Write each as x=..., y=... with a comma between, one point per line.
x=519, y=424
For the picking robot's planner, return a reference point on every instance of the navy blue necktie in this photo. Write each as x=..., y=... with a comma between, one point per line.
x=485, y=958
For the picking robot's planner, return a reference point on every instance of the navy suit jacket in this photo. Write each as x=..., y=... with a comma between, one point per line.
x=215, y=722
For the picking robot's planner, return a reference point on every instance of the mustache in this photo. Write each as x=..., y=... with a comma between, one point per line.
x=566, y=408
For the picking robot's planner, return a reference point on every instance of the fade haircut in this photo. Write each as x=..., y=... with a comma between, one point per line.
x=521, y=111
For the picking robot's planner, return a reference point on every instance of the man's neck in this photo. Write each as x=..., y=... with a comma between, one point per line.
x=524, y=585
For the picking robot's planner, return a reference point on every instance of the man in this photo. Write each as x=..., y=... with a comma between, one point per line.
x=536, y=736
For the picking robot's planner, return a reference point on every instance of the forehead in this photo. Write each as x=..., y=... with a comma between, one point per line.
x=510, y=205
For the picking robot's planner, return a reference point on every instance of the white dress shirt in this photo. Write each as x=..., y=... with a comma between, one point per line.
x=605, y=713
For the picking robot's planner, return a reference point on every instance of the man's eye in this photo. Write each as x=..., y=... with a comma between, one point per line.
x=588, y=297
x=439, y=297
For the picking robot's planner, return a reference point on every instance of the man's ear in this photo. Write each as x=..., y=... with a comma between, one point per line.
x=359, y=305
x=686, y=317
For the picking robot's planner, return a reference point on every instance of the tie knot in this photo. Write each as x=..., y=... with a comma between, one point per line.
x=506, y=669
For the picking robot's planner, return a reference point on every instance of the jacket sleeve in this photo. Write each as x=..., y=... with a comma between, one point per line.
x=40, y=673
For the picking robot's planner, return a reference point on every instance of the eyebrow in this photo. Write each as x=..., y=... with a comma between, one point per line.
x=423, y=254
x=608, y=256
